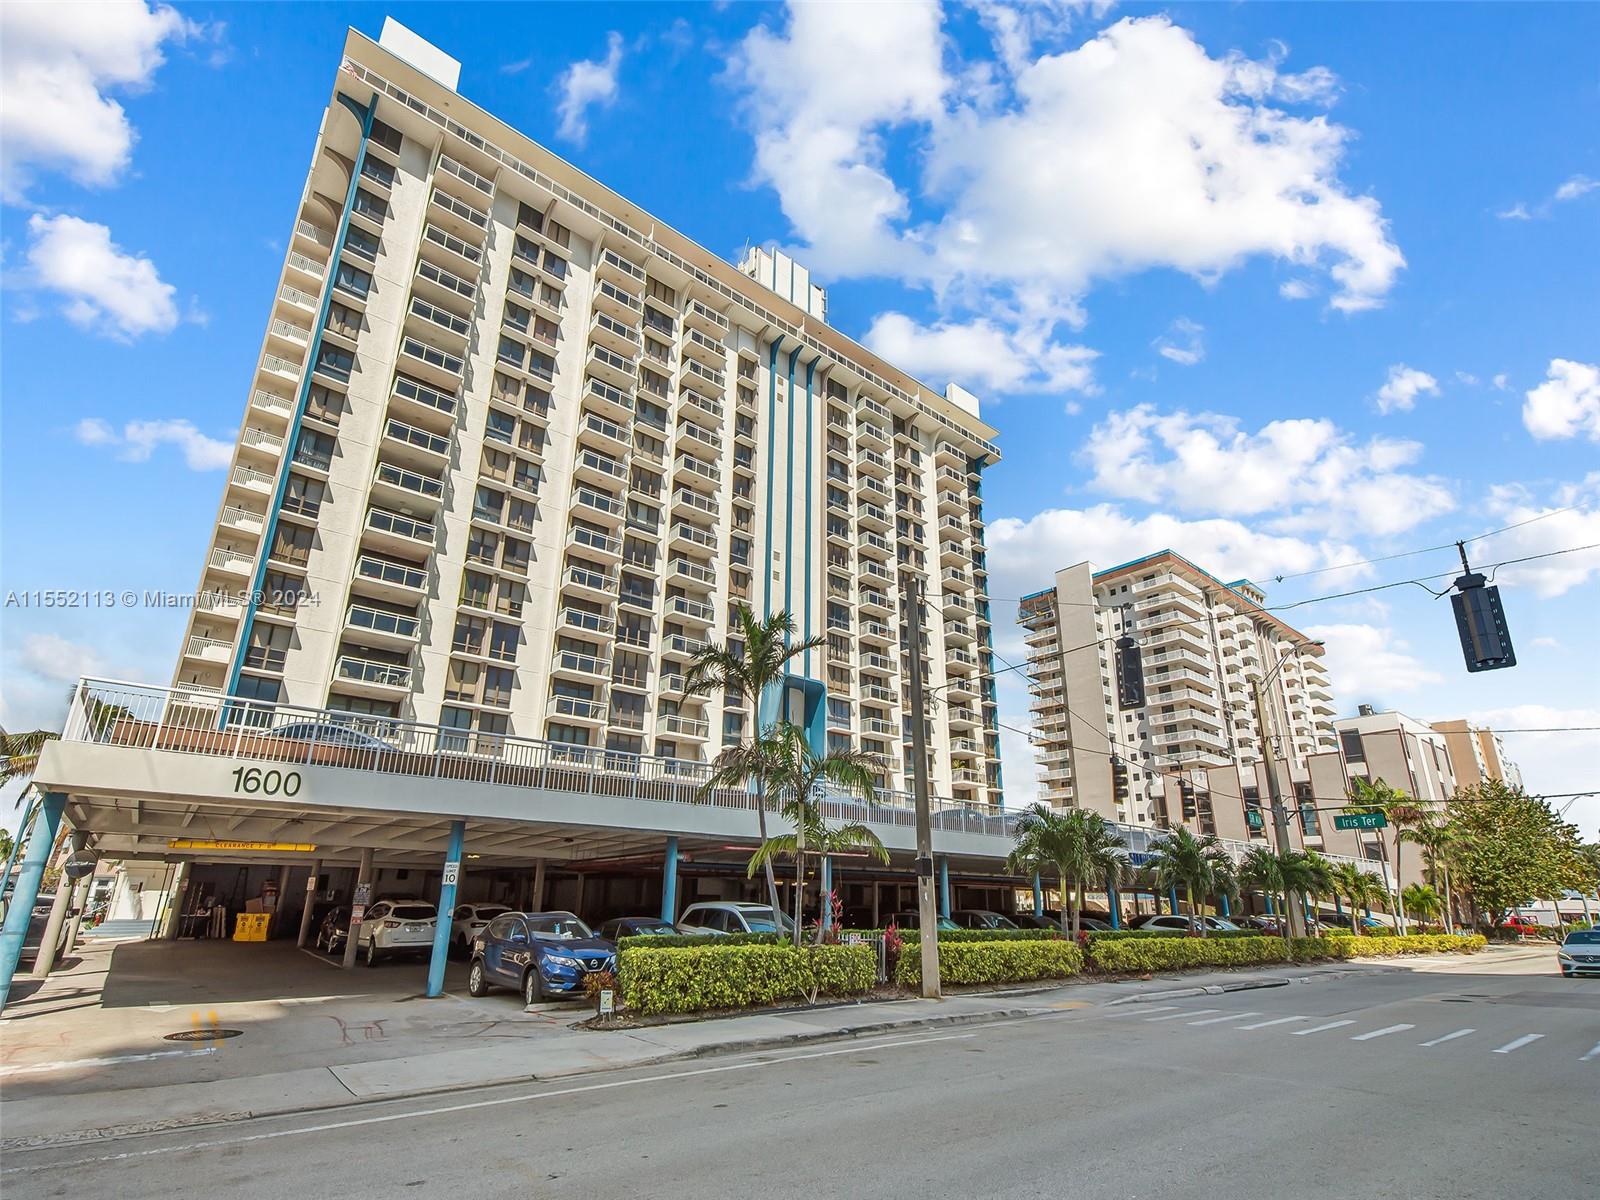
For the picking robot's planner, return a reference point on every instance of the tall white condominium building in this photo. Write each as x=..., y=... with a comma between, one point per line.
x=1200, y=642
x=1479, y=754
x=515, y=449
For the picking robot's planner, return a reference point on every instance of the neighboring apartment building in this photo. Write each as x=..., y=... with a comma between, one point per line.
x=514, y=450
x=1201, y=642
x=1478, y=754
x=1407, y=754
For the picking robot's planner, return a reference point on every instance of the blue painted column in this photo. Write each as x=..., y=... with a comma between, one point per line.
x=1172, y=899
x=16, y=846
x=1368, y=911
x=447, y=905
x=827, y=892
x=1115, y=903
x=41, y=840
x=1038, y=896
x=1226, y=911
x=944, y=887
x=669, y=883
x=1271, y=908
x=1338, y=906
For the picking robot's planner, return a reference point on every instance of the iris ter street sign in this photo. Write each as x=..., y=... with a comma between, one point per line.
x=1367, y=820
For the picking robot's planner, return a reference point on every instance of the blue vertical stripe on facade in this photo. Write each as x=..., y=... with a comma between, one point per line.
x=809, y=530
x=772, y=452
x=365, y=113
x=788, y=504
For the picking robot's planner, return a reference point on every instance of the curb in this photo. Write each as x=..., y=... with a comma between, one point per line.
x=1209, y=989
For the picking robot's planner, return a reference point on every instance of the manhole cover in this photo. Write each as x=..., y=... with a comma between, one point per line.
x=202, y=1035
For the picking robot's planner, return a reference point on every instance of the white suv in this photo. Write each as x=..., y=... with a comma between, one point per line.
x=732, y=916
x=396, y=927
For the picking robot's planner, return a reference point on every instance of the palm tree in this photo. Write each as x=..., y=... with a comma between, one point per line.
x=1195, y=863
x=785, y=765
x=1422, y=902
x=1261, y=870
x=1357, y=886
x=1306, y=872
x=19, y=753
x=751, y=664
x=1403, y=813
x=1436, y=840
x=1074, y=843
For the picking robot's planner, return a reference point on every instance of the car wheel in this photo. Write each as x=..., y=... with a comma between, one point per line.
x=532, y=988
x=372, y=953
x=477, y=981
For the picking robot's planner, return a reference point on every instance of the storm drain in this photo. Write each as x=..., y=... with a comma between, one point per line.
x=202, y=1035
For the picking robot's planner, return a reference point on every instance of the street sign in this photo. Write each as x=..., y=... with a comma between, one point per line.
x=216, y=844
x=452, y=871
x=363, y=894
x=608, y=1002
x=1254, y=819
x=1366, y=820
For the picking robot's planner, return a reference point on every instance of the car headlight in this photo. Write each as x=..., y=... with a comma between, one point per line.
x=1563, y=954
x=561, y=960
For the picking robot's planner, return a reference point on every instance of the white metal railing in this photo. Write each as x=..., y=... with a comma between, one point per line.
x=365, y=670
x=199, y=645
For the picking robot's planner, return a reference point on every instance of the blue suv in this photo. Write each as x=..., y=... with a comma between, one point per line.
x=542, y=955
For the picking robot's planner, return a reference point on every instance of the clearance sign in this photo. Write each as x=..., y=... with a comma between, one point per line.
x=273, y=847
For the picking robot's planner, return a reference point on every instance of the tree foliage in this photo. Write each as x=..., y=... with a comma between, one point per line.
x=1511, y=848
x=1074, y=843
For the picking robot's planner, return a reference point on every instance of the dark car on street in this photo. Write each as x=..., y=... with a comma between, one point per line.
x=910, y=920
x=542, y=955
x=981, y=918
x=621, y=927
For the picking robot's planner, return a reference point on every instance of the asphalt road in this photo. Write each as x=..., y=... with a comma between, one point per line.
x=1472, y=1081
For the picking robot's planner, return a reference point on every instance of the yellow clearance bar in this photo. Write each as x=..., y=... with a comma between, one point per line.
x=275, y=847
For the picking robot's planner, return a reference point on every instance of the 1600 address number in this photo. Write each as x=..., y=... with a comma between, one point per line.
x=254, y=781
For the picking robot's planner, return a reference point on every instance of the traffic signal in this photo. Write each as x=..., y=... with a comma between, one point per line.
x=1191, y=808
x=1130, y=674
x=1481, y=622
x=1119, y=778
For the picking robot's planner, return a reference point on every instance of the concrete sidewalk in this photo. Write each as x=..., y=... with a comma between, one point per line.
x=52, y=1101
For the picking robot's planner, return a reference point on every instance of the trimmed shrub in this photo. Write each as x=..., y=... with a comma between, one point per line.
x=694, y=978
x=987, y=935
x=1165, y=954
x=1423, y=943
x=1115, y=934
x=994, y=960
x=669, y=941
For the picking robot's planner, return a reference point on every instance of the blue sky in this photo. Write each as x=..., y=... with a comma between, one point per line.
x=1283, y=287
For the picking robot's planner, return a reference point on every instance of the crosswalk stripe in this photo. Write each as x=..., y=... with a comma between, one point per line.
x=1193, y=1012
x=1378, y=1033
x=1449, y=1037
x=1519, y=1043
x=1141, y=1009
x=1228, y=1017
x=1265, y=1024
x=1320, y=1028
x=1595, y=1053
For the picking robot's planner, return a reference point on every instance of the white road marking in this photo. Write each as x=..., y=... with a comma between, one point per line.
x=1595, y=1053
x=1320, y=1028
x=1266, y=1024
x=1193, y=1012
x=1519, y=1043
x=498, y=1101
x=74, y=1063
x=1140, y=1010
x=1449, y=1037
x=1229, y=1017
x=1378, y=1033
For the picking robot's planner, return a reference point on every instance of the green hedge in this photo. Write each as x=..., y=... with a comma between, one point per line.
x=1165, y=954
x=693, y=978
x=988, y=935
x=641, y=941
x=1417, y=943
x=1112, y=935
x=995, y=960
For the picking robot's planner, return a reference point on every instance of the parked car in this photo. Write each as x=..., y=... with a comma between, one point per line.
x=393, y=927
x=912, y=920
x=335, y=926
x=1580, y=953
x=1268, y=925
x=1049, y=920
x=330, y=733
x=1167, y=923
x=981, y=918
x=621, y=927
x=540, y=954
x=1524, y=926
x=732, y=916
x=469, y=921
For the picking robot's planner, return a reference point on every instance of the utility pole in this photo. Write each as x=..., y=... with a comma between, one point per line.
x=927, y=902
x=1280, y=818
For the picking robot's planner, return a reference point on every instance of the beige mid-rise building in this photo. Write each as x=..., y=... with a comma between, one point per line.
x=1478, y=753
x=514, y=450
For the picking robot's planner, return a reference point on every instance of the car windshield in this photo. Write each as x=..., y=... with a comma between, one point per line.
x=413, y=912
x=1583, y=937
x=647, y=929
x=487, y=912
x=760, y=920
x=947, y=923
x=562, y=927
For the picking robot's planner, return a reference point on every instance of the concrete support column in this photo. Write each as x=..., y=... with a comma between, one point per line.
x=175, y=899
x=447, y=905
x=669, y=882
x=1115, y=903
x=1338, y=906
x=537, y=902
x=1227, y=911
x=46, y=956
x=280, y=911
x=80, y=901
x=363, y=885
x=827, y=889
x=1038, y=896
x=578, y=903
x=1172, y=899
x=877, y=920
x=307, y=909
x=944, y=887
x=41, y=840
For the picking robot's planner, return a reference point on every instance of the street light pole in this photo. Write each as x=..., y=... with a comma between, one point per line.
x=1280, y=818
x=927, y=904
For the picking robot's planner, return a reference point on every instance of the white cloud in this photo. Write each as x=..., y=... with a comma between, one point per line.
x=1016, y=28
x=1025, y=555
x=1400, y=391
x=55, y=658
x=1551, y=763
x=1578, y=525
x=1517, y=212
x=586, y=84
x=1468, y=378
x=1578, y=185
x=1184, y=343
x=138, y=440
x=105, y=289
x=1307, y=473
x=1502, y=382
x=1566, y=404
x=1369, y=664
x=982, y=355
x=1297, y=289
x=60, y=63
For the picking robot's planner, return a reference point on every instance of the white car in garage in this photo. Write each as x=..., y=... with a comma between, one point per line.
x=393, y=927
x=469, y=921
